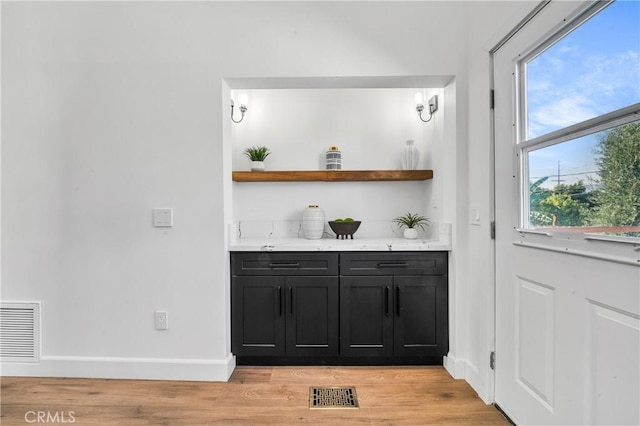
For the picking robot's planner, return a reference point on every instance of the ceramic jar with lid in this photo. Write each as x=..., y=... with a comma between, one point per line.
x=313, y=222
x=334, y=158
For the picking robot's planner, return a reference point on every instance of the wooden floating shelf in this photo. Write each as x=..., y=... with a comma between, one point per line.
x=333, y=176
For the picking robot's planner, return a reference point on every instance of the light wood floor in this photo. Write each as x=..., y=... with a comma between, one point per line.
x=254, y=395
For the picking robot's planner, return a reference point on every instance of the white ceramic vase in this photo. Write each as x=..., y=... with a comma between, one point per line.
x=410, y=156
x=410, y=233
x=313, y=222
x=257, y=166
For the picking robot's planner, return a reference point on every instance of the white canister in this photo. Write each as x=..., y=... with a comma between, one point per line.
x=410, y=156
x=334, y=158
x=313, y=222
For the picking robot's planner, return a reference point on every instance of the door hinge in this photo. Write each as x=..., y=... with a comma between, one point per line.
x=492, y=360
x=493, y=229
x=492, y=99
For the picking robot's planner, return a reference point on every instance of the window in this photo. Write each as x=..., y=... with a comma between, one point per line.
x=579, y=126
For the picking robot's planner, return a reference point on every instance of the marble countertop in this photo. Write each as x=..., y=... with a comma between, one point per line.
x=377, y=236
x=327, y=244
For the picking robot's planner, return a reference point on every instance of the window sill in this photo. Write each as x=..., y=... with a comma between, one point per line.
x=611, y=248
x=614, y=238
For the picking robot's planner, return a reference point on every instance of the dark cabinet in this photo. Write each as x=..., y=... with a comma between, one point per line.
x=366, y=321
x=393, y=304
x=277, y=312
x=393, y=263
x=257, y=316
x=312, y=316
x=420, y=324
x=294, y=263
x=336, y=307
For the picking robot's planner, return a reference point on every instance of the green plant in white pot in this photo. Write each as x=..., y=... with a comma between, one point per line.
x=411, y=222
x=257, y=155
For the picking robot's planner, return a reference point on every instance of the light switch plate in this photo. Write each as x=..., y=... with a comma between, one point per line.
x=163, y=218
x=475, y=216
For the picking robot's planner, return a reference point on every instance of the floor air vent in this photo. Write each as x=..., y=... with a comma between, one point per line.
x=19, y=332
x=334, y=397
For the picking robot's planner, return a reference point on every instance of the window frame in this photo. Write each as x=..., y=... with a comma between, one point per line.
x=524, y=146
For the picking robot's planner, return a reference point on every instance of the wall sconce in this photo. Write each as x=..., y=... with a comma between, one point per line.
x=433, y=106
x=243, y=109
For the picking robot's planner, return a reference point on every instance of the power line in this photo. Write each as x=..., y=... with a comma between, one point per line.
x=565, y=174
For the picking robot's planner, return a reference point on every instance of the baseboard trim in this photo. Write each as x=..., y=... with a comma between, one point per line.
x=338, y=360
x=480, y=381
x=210, y=370
x=456, y=367
x=464, y=369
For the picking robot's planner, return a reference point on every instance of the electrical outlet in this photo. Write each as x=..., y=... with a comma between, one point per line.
x=163, y=217
x=161, y=320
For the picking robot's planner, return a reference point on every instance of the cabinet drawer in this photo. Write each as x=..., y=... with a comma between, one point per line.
x=258, y=263
x=402, y=263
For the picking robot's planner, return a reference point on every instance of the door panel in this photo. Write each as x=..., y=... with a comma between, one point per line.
x=570, y=355
x=610, y=370
x=420, y=323
x=366, y=316
x=312, y=316
x=258, y=316
x=534, y=339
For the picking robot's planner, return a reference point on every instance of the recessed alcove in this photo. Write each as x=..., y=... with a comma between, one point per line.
x=368, y=118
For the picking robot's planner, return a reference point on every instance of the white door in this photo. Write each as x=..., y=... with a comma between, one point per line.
x=567, y=307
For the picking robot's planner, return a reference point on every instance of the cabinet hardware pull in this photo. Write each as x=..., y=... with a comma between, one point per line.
x=279, y=301
x=398, y=301
x=387, y=292
x=290, y=300
x=284, y=265
x=392, y=265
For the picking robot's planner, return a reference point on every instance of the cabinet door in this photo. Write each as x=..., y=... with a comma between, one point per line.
x=421, y=316
x=312, y=316
x=366, y=317
x=257, y=316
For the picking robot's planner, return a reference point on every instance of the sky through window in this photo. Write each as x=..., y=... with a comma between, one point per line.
x=593, y=70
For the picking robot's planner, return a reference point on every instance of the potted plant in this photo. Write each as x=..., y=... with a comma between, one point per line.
x=410, y=222
x=257, y=155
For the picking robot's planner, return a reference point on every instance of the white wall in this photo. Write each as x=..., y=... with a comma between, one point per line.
x=370, y=126
x=110, y=109
x=479, y=287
